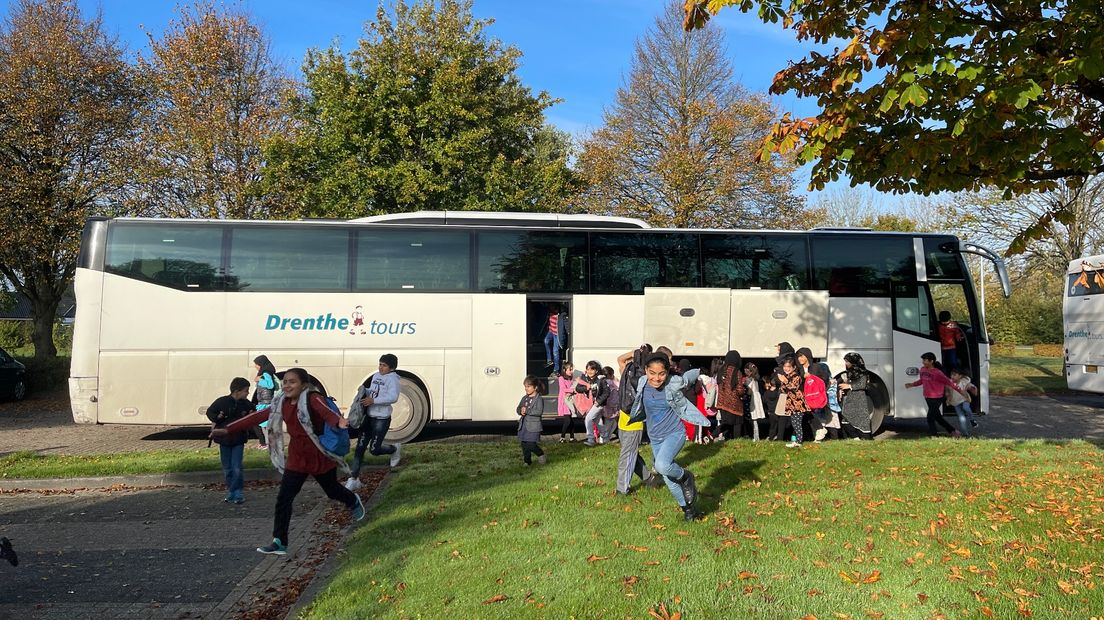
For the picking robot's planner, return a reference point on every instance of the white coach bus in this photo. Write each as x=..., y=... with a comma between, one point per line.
x=168, y=311
x=1083, y=324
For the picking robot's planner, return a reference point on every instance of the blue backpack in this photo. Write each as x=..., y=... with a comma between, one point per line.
x=334, y=439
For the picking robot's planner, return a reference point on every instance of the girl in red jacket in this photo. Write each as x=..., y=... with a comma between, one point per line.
x=305, y=413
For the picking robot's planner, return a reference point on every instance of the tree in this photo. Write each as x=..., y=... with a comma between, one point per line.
x=1053, y=241
x=68, y=108
x=679, y=144
x=216, y=96
x=427, y=113
x=942, y=95
x=853, y=207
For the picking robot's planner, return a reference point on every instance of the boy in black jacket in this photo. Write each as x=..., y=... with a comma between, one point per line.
x=222, y=412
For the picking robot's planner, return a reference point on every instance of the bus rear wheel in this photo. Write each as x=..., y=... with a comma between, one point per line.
x=409, y=414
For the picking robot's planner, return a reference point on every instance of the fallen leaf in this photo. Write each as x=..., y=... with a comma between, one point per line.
x=746, y=574
x=985, y=611
x=498, y=598
x=596, y=558
x=923, y=598
x=873, y=577
x=1067, y=587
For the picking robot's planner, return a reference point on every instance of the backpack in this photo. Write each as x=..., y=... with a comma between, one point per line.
x=334, y=439
x=613, y=402
x=627, y=391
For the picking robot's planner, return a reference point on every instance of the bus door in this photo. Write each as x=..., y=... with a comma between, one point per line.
x=914, y=334
x=760, y=319
x=498, y=354
x=691, y=321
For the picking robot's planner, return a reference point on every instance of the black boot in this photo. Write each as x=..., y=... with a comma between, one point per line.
x=7, y=553
x=690, y=513
x=653, y=481
x=689, y=488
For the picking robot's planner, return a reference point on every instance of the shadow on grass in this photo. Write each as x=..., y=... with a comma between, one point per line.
x=722, y=480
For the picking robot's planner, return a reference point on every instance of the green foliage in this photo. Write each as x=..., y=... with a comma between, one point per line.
x=63, y=336
x=1033, y=314
x=933, y=96
x=45, y=374
x=14, y=334
x=29, y=465
x=427, y=113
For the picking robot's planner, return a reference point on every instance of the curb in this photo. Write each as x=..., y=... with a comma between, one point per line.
x=137, y=480
x=330, y=565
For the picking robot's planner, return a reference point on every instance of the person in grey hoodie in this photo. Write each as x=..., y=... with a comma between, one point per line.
x=378, y=393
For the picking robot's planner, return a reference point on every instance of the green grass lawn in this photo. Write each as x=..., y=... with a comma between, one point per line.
x=30, y=465
x=903, y=529
x=1027, y=375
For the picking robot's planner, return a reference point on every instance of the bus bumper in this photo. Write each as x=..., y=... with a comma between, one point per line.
x=83, y=399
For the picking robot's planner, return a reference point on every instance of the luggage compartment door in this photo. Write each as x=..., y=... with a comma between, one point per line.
x=691, y=321
x=762, y=319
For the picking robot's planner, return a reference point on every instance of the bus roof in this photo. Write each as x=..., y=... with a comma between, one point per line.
x=505, y=218
x=1086, y=263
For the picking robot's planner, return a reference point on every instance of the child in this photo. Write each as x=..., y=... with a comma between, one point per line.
x=565, y=400
x=707, y=401
x=753, y=409
x=961, y=402
x=934, y=381
x=950, y=334
x=222, y=412
x=816, y=397
x=691, y=390
x=632, y=433
x=530, y=410
x=377, y=393
x=613, y=405
x=262, y=395
x=305, y=414
x=790, y=382
x=591, y=393
x=834, y=409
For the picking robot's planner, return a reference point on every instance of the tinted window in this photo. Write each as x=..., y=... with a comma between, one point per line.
x=755, y=261
x=413, y=259
x=550, y=262
x=862, y=266
x=181, y=256
x=912, y=311
x=944, y=261
x=283, y=258
x=629, y=262
x=1085, y=283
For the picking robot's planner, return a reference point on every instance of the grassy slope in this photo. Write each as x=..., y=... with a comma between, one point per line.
x=1027, y=375
x=925, y=527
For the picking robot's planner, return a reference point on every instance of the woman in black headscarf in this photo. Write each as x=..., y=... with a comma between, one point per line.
x=730, y=396
x=853, y=383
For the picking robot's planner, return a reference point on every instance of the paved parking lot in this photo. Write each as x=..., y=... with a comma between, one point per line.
x=44, y=425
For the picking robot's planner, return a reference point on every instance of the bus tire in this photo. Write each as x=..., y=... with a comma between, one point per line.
x=879, y=398
x=410, y=413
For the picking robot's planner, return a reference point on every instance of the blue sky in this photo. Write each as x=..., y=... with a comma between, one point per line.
x=576, y=50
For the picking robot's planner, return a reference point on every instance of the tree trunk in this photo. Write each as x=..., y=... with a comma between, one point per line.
x=43, y=313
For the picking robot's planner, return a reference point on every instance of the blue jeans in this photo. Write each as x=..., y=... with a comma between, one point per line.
x=552, y=346
x=965, y=417
x=372, y=433
x=232, y=469
x=664, y=451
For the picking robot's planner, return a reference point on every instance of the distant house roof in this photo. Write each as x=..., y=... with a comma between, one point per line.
x=21, y=309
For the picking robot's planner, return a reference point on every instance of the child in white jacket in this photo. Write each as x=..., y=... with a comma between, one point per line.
x=378, y=393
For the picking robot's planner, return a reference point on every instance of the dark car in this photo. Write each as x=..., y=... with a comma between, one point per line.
x=13, y=377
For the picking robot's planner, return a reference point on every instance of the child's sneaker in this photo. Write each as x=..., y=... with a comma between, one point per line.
x=353, y=484
x=820, y=434
x=274, y=548
x=237, y=500
x=358, y=511
x=973, y=424
x=563, y=439
x=542, y=459
x=793, y=444
x=395, y=456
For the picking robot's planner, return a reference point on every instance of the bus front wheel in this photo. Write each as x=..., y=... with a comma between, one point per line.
x=410, y=413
